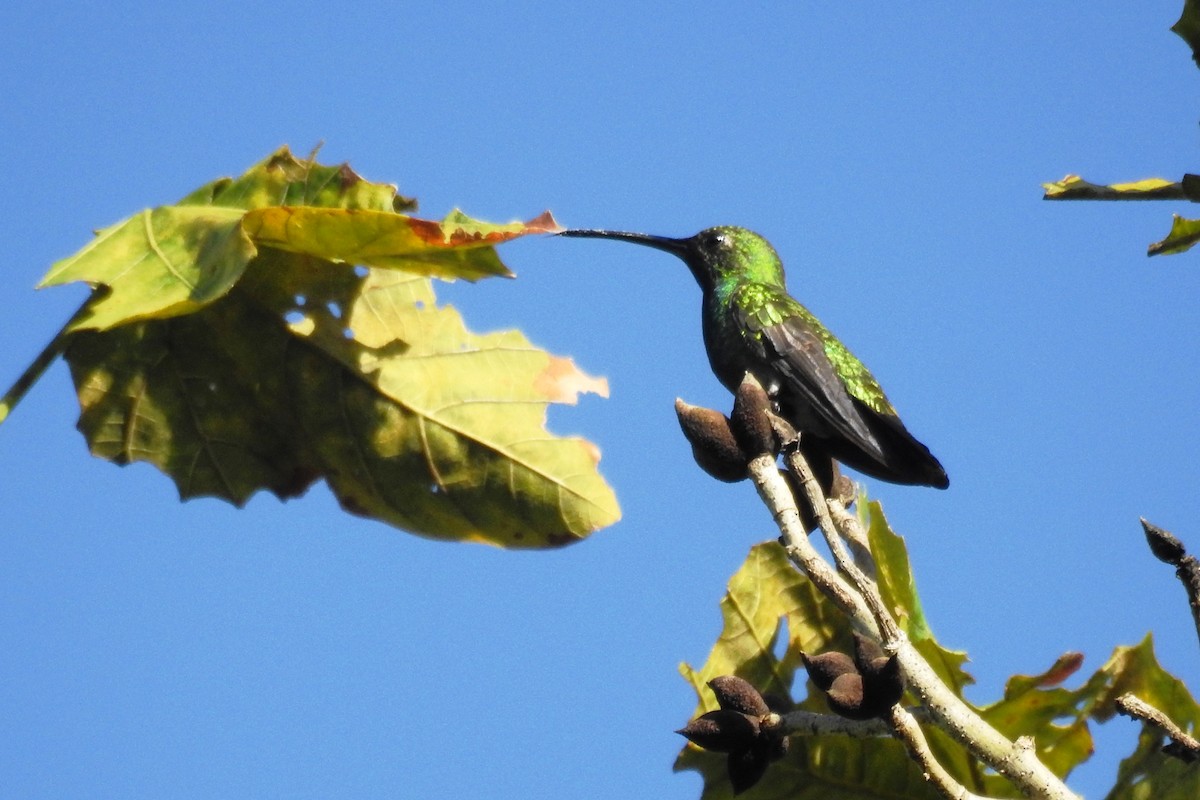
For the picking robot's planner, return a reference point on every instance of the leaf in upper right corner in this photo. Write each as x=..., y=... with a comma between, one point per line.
x=1073, y=187
x=1183, y=236
x=1188, y=27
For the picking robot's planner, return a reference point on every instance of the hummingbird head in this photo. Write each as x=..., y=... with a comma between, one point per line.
x=716, y=256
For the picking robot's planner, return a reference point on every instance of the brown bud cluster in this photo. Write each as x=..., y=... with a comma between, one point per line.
x=745, y=727
x=863, y=687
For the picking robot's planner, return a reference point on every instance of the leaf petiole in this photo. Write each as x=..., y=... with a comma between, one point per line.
x=44, y=359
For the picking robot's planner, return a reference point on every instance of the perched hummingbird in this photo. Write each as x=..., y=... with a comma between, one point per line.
x=751, y=323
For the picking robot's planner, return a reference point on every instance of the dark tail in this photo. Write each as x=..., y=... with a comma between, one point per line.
x=904, y=459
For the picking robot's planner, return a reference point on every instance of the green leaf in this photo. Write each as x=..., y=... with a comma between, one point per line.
x=282, y=180
x=1073, y=187
x=457, y=247
x=1056, y=718
x=235, y=368
x=1184, y=234
x=767, y=595
x=1188, y=27
x=174, y=260
x=1149, y=774
x=159, y=263
x=440, y=433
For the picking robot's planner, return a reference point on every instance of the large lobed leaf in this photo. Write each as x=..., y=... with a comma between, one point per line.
x=235, y=345
x=767, y=595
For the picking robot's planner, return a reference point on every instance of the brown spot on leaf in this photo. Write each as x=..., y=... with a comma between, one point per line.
x=347, y=176
x=562, y=382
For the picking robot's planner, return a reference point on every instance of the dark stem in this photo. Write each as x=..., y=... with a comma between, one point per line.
x=40, y=364
x=1168, y=549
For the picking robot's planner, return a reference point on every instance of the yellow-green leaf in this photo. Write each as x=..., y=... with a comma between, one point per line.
x=361, y=380
x=236, y=368
x=767, y=598
x=1073, y=187
x=174, y=260
x=767, y=594
x=163, y=262
x=457, y=247
x=282, y=180
x=1184, y=234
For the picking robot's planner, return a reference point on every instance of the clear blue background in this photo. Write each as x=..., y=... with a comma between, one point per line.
x=893, y=155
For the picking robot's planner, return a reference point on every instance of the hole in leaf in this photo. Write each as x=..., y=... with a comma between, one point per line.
x=780, y=643
x=420, y=304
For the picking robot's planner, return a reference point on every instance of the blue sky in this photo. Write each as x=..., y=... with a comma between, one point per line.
x=892, y=155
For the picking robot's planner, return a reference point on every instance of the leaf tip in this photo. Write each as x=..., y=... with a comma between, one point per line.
x=544, y=223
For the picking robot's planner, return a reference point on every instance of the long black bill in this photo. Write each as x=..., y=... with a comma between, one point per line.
x=676, y=246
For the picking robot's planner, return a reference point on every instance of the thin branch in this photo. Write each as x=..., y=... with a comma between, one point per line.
x=908, y=731
x=814, y=723
x=890, y=633
x=1183, y=746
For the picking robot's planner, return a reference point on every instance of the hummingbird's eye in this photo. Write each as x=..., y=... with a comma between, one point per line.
x=716, y=241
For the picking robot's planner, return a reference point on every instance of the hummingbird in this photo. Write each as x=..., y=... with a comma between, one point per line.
x=751, y=324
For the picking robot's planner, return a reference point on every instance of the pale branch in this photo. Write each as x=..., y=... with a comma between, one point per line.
x=1184, y=746
x=890, y=634
x=902, y=723
x=1168, y=549
x=777, y=496
x=1016, y=760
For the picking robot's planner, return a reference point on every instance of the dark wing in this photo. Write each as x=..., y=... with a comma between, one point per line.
x=811, y=389
x=838, y=402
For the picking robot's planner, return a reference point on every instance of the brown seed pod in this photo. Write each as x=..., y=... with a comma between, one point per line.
x=847, y=695
x=751, y=419
x=713, y=444
x=882, y=679
x=736, y=694
x=867, y=652
x=825, y=668
x=722, y=731
x=1163, y=544
x=746, y=768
